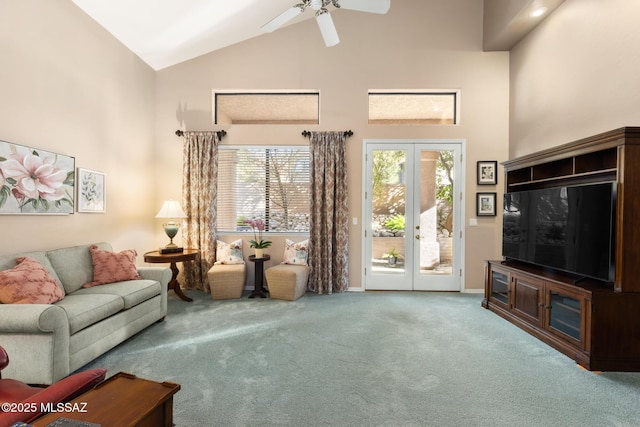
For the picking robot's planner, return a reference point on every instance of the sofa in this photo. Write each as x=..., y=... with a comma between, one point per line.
x=49, y=341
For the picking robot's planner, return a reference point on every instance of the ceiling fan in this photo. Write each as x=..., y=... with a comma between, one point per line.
x=323, y=18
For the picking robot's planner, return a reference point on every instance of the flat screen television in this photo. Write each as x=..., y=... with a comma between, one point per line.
x=569, y=228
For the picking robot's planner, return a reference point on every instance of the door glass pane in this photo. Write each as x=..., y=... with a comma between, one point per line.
x=436, y=213
x=388, y=211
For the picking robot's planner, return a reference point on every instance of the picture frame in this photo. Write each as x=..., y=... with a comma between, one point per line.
x=485, y=204
x=487, y=172
x=92, y=191
x=35, y=181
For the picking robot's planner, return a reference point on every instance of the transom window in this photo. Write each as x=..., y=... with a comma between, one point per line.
x=268, y=183
x=413, y=107
x=266, y=108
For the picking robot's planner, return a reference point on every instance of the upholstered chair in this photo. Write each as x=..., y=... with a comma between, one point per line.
x=14, y=391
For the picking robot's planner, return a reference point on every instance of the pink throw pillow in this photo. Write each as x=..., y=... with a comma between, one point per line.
x=110, y=267
x=29, y=282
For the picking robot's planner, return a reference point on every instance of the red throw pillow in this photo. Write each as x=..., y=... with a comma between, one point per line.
x=110, y=267
x=28, y=282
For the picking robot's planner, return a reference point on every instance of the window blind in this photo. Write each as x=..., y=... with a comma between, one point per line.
x=268, y=183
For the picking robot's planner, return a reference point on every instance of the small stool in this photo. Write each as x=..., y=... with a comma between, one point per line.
x=226, y=280
x=287, y=281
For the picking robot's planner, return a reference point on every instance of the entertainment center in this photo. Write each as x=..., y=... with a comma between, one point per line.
x=571, y=269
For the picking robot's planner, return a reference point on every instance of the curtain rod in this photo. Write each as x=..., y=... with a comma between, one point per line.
x=221, y=133
x=308, y=133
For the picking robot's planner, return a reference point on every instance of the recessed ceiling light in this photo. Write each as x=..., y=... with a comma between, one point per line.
x=538, y=12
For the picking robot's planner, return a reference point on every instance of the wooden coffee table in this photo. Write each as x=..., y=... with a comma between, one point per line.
x=123, y=400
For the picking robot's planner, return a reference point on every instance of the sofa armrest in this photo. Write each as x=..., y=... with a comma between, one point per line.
x=32, y=319
x=34, y=333
x=160, y=274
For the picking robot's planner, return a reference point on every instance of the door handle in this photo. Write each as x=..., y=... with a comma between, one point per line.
x=417, y=236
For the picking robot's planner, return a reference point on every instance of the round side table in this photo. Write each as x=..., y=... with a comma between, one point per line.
x=155, y=257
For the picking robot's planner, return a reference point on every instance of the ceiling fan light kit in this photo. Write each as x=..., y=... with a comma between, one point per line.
x=323, y=18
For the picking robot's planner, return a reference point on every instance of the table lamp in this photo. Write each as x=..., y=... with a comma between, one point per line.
x=171, y=209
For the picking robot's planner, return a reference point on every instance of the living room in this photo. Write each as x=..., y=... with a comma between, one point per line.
x=72, y=88
x=91, y=98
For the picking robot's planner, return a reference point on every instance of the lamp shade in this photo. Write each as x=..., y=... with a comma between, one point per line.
x=171, y=209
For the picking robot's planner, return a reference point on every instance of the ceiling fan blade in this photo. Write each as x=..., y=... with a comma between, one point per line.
x=282, y=19
x=328, y=30
x=372, y=6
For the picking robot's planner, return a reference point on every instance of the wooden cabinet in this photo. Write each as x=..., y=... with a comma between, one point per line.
x=610, y=156
x=595, y=323
x=590, y=323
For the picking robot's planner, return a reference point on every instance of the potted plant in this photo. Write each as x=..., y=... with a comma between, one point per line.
x=258, y=243
x=392, y=256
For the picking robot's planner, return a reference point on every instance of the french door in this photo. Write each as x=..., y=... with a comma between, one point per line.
x=413, y=210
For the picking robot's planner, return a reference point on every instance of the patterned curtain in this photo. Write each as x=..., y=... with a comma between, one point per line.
x=199, y=193
x=329, y=239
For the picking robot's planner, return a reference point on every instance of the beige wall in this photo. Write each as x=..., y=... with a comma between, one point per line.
x=418, y=44
x=576, y=75
x=67, y=86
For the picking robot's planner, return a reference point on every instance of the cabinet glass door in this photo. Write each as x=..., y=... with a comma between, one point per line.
x=565, y=315
x=500, y=287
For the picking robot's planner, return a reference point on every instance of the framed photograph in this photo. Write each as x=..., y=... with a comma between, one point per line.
x=35, y=181
x=487, y=172
x=92, y=191
x=486, y=204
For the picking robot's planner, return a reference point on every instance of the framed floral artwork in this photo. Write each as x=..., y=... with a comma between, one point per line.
x=487, y=172
x=35, y=181
x=486, y=204
x=92, y=191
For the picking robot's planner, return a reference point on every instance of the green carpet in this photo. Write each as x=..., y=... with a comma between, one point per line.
x=366, y=359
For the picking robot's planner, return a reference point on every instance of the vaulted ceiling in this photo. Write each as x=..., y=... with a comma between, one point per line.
x=167, y=32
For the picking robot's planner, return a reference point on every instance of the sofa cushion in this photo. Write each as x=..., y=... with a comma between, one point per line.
x=85, y=310
x=29, y=282
x=132, y=292
x=74, y=265
x=111, y=267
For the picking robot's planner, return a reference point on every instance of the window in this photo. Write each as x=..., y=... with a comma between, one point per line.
x=269, y=183
x=419, y=108
x=284, y=107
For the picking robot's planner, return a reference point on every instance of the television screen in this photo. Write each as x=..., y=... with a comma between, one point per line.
x=567, y=228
